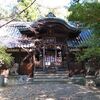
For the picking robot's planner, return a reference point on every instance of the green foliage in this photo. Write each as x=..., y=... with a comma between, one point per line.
x=31, y=13
x=89, y=14
x=92, y=50
x=4, y=13
x=4, y=56
x=88, y=54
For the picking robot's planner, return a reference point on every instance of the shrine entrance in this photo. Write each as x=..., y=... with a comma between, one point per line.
x=50, y=54
x=49, y=57
x=52, y=57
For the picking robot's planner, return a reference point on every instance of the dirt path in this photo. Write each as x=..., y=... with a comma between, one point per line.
x=48, y=91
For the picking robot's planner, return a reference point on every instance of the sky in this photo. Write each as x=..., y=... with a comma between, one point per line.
x=53, y=3
x=45, y=3
x=8, y=4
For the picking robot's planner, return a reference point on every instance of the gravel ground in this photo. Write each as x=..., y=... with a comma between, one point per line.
x=48, y=91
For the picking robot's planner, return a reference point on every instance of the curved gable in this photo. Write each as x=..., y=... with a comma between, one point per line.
x=55, y=26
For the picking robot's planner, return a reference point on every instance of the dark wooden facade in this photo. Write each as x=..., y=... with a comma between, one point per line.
x=49, y=51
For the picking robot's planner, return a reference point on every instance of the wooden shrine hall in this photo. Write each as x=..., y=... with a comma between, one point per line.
x=46, y=44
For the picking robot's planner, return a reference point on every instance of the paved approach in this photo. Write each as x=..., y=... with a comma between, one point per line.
x=48, y=91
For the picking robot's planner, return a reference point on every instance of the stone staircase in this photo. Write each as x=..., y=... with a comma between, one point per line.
x=59, y=76
x=45, y=77
x=39, y=77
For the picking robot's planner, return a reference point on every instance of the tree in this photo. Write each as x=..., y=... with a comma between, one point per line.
x=4, y=56
x=4, y=13
x=89, y=15
x=7, y=12
x=31, y=13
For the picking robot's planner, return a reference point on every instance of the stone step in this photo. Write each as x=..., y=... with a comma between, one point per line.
x=46, y=72
x=41, y=75
x=50, y=80
x=50, y=76
x=49, y=73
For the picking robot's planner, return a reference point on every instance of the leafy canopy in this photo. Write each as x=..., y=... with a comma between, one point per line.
x=4, y=56
x=32, y=13
x=89, y=15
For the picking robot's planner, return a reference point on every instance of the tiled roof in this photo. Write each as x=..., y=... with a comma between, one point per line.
x=9, y=35
x=83, y=37
x=22, y=26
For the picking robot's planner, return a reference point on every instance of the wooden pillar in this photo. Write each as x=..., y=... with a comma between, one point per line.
x=19, y=69
x=43, y=57
x=55, y=54
x=67, y=56
x=64, y=55
x=33, y=61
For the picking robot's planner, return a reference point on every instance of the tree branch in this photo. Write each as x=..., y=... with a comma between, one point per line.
x=18, y=14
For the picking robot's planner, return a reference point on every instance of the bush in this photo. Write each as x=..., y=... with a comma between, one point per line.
x=5, y=57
